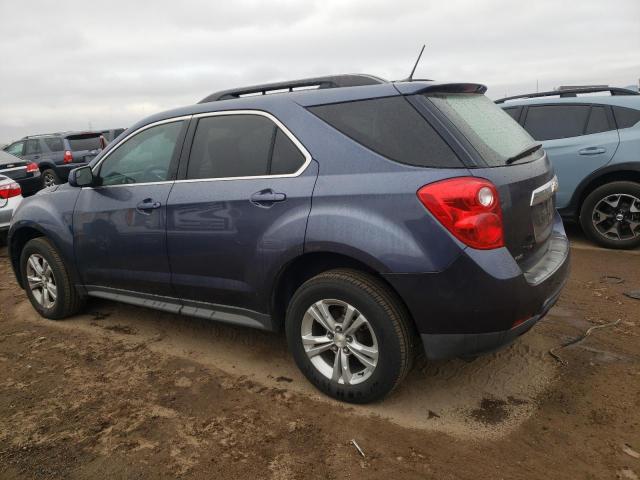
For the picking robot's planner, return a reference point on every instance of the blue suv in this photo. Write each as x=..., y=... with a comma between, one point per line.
x=363, y=217
x=593, y=142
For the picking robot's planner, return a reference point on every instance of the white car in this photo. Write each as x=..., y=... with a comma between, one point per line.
x=10, y=198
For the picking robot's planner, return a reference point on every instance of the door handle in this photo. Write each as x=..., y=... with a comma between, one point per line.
x=266, y=198
x=147, y=205
x=592, y=151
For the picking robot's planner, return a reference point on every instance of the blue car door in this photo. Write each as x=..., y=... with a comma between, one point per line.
x=120, y=225
x=238, y=215
x=579, y=138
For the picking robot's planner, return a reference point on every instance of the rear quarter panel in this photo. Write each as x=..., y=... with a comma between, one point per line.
x=366, y=206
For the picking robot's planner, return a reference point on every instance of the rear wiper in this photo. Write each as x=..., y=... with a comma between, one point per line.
x=524, y=153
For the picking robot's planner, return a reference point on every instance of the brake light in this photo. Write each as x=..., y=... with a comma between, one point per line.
x=469, y=208
x=32, y=167
x=10, y=190
x=68, y=156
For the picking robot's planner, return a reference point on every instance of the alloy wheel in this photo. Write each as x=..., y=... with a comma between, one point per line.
x=41, y=281
x=617, y=217
x=48, y=180
x=339, y=341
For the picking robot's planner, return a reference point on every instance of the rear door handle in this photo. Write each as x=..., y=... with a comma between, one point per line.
x=147, y=205
x=592, y=151
x=266, y=198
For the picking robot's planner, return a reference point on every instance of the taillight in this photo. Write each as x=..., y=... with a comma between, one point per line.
x=32, y=167
x=10, y=190
x=68, y=156
x=469, y=208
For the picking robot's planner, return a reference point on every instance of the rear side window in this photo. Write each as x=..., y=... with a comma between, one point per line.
x=286, y=156
x=626, y=117
x=231, y=146
x=392, y=128
x=80, y=143
x=490, y=130
x=514, y=112
x=54, y=144
x=598, y=121
x=549, y=122
x=32, y=147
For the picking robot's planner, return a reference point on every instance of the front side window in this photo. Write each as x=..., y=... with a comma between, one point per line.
x=550, y=122
x=145, y=157
x=242, y=145
x=15, y=149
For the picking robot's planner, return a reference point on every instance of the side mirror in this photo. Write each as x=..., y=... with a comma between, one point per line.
x=81, y=177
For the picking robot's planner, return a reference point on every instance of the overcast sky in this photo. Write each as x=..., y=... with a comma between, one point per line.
x=67, y=65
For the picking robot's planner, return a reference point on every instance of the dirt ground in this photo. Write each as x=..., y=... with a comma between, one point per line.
x=124, y=392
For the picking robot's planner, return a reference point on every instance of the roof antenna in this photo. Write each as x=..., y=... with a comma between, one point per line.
x=410, y=77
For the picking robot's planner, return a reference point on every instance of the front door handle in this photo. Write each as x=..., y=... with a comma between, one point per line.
x=592, y=151
x=147, y=205
x=266, y=198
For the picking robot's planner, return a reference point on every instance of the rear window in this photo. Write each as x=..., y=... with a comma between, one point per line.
x=391, y=127
x=77, y=144
x=490, y=130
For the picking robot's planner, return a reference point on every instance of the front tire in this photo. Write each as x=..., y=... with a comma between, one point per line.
x=350, y=335
x=610, y=215
x=47, y=281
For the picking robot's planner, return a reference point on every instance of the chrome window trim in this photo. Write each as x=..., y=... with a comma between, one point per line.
x=131, y=135
x=301, y=148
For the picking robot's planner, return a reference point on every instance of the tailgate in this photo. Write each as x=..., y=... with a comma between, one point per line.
x=528, y=205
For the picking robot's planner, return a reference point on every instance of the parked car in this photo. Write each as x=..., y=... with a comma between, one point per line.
x=362, y=217
x=10, y=198
x=26, y=173
x=594, y=144
x=111, y=135
x=58, y=153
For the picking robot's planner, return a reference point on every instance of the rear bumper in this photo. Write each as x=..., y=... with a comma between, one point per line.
x=6, y=212
x=483, y=300
x=30, y=185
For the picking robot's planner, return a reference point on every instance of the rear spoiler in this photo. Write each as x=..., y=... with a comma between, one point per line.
x=415, y=88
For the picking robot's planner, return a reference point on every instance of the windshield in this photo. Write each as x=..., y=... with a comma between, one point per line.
x=491, y=131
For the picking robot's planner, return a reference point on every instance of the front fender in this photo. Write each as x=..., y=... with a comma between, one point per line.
x=49, y=213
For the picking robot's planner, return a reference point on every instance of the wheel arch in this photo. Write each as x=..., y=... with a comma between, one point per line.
x=613, y=173
x=19, y=238
x=307, y=266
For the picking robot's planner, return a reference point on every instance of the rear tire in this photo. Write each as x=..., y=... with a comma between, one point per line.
x=375, y=346
x=608, y=215
x=47, y=281
x=50, y=178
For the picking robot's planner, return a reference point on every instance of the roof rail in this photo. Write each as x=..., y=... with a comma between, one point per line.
x=572, y=92
x=333, y=81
